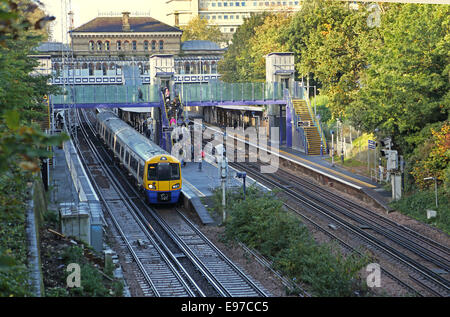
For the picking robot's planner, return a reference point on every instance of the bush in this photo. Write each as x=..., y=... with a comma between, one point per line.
x=261, y=223
x=13, y=250
x=416, y=203
x=93, y=283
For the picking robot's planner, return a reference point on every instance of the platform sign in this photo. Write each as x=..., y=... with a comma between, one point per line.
x=303, y=124
x=167, y=129
x=372, y=145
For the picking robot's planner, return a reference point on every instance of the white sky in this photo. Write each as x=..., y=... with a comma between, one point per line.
x=86, y=10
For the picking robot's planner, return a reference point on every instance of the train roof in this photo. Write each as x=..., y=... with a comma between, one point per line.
x=138, y=143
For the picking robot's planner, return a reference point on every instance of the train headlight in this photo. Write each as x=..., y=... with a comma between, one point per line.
x=151, y=186
x=175, y=186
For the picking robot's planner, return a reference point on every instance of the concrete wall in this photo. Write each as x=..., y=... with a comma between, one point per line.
x=82, y=219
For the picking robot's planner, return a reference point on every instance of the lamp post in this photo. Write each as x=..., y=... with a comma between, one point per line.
x=243, y=176
x=332, y=148
x=435, y=188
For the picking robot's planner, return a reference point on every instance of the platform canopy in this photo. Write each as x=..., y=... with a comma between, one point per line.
x=243, y=108
x=136, y=109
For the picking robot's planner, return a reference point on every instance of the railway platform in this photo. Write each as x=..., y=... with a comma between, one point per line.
x=74, y=198
x=323, y=171
x=319, y=163
x=202, y=183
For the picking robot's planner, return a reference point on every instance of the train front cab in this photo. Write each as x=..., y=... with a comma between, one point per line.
x=162, y=180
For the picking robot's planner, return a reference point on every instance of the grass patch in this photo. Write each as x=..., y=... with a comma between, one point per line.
x=416, y=203
x=13, y=249
x=94, y=281
x=261, y=223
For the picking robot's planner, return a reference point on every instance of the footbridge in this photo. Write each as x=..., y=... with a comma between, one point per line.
x=207, y=94
x=288, y=108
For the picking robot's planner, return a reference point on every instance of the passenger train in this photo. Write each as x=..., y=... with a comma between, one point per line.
x=153, y=169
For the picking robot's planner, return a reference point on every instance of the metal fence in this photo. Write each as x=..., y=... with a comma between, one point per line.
x=198, y=92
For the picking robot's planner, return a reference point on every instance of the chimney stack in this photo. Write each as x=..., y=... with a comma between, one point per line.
x=177, y=18
x=125, y=21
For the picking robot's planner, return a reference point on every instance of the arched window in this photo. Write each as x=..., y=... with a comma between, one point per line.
x=205, y=68
x=134, y=45
x=91, y=46
x=99, y=45
x=105, y=68
x=91, y=69
x=98, y=66
x=145, y=45
x=213, y=68
x=141, y=69
x=106, y=45
x=194, y=68
x=77, y=69
x=112, y=66
x=153, y=45
x=161, y=45
x=119, y=45
x=187, y=68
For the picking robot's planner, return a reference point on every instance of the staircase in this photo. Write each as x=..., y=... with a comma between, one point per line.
x=312, y=135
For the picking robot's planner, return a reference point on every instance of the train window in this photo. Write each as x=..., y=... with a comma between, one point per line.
x=152, y=174
x=141, y=170
x=127, y=156
x=175, y=171
x=133, y=164
x=163, y=172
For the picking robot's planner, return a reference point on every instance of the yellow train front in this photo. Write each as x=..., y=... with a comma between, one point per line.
x=163, y=182
x=154, y=170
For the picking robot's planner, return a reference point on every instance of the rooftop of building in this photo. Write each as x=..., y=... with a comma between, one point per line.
x=52, y=47
x=115, y=24
x=200, y=45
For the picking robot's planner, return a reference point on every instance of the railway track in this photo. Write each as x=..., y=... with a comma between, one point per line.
x=158, y=276
x=200, y=269
x=416, y=252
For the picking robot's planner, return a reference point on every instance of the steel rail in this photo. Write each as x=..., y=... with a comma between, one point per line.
x=141, y=225
x=435, y=278
x=202, y=268
x=432, y=255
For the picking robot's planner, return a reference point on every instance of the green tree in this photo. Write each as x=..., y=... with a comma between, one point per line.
x=200, y=29
x=406, y=85
x=21, y=95
x=234, y=67
x=267, y=39
x=325, y=37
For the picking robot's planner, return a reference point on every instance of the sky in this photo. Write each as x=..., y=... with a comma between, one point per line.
x=86, y=10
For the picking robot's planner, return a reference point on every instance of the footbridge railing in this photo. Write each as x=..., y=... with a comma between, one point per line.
x=195, y=94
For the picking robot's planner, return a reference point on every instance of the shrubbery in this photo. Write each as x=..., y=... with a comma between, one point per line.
x=416, y=204
x=261, y=223
x=13, y=251
x=93, y=282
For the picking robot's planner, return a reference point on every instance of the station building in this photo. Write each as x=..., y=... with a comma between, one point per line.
x=134, y=51
x=117, y=50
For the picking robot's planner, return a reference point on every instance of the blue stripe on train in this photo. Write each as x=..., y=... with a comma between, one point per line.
x=152, y=196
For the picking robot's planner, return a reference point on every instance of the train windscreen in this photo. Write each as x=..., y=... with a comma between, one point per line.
x=163, y=172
